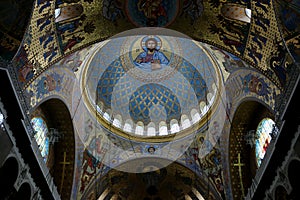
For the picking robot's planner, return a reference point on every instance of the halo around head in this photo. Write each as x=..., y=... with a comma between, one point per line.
x=157, y=39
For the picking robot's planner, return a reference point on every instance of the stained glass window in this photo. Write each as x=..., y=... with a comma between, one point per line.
x=41, y=136
x=236, y=12
x=263, y=133
x=1, y=118
x=68, y=12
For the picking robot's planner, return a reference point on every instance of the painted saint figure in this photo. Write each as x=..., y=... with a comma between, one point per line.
x=151, y=59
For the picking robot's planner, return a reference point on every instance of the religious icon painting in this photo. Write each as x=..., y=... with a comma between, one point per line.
x=151, y=58
x=152, y=13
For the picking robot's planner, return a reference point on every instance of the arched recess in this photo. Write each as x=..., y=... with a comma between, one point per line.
x=242, y=158
x=62, y=143
x=8, y=176
x=68, y=12
x=281, y=193
x=173, y=182
x=24, y=192
x=236, y=12
x=293, y=174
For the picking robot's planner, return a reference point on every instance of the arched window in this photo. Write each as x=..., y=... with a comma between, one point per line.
x=195, y=115
x=41, y=136
x=203, y=107
x=263, y=135
x=68, y=12
x=128, y=125
x=107, y=115
x=185, y=122
x=117, y=121
x=163, y=129
x=174, y=126
x=236, y=12
x=151, y=129
x=139, y=130
x=1, y=120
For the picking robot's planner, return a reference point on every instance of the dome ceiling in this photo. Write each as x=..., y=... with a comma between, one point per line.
x=151, y=92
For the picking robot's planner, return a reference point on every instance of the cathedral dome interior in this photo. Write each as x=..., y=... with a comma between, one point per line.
x=149, y=99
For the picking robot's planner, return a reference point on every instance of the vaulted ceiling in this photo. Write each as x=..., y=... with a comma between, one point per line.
x=58, y=28
x=53, y=30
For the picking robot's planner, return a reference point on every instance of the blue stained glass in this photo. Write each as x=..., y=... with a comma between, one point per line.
x=263, y=135
x=41, y=136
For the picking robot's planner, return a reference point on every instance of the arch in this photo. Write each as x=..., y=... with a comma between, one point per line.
x=118, y=121
x=68, y=12
x=100, y=106
x=139, y=129
x=24, y=192
x=247, y=116
x=128, y=125
x=281, y=193
x=8, y=176
x=236, y=12
x=62, y=143
x=203, y=107
x=210, y=98
x=195, y=115
x=174, y=126
x=185, y=122
x=293, y=174
x=163, y=128
x=151, y=129
x=107, y=115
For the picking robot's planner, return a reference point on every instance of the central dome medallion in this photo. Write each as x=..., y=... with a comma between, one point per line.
x=151, y=85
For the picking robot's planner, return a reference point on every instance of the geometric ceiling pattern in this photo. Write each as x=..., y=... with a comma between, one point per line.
x=124, y=80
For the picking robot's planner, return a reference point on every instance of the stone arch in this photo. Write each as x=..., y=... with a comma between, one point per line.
x=62, y=143
x=293, y=174
x=280, y=193
x=9, y=172
x=24, y=192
